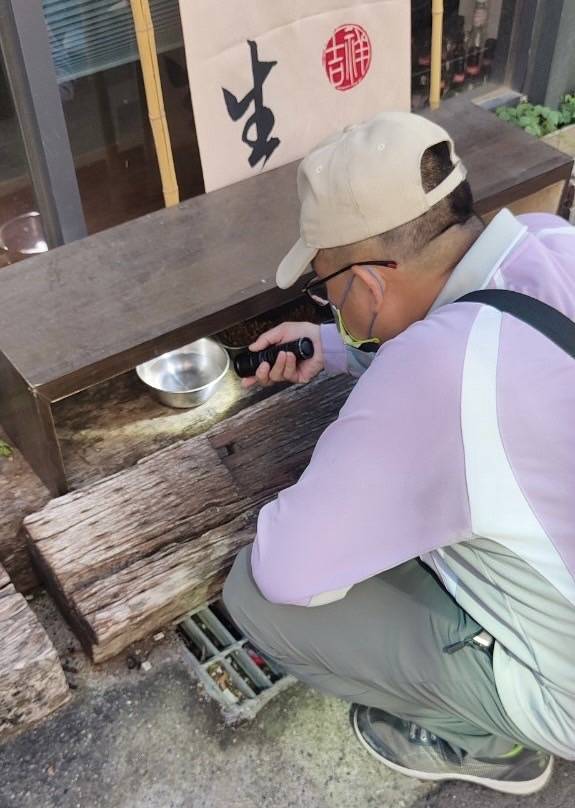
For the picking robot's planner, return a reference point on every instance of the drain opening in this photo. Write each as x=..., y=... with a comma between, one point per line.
x=234, y=673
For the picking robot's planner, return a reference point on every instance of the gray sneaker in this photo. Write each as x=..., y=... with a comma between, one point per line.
x=412, y=750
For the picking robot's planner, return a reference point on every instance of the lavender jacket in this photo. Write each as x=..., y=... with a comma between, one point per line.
x=461, y=431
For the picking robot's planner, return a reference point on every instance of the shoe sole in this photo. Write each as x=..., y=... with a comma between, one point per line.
x=503, y=786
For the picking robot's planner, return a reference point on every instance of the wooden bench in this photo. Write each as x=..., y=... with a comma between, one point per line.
x=141, y=548
x=32, y=682
x=91, y=310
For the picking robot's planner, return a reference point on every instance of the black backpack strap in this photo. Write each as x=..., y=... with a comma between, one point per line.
x=546, y=319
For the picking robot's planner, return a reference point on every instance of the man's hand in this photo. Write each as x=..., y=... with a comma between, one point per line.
x=286, y=367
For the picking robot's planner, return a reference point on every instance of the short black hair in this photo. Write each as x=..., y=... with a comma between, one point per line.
x=455, y=208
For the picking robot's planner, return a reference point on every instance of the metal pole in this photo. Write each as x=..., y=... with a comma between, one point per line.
x=436, y=43
x=145, y=35
x=30, y=69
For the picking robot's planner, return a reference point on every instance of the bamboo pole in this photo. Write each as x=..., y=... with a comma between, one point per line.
x=436, y=47
x=154, y=98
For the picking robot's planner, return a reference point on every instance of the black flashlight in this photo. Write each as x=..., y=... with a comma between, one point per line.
x=246, y=363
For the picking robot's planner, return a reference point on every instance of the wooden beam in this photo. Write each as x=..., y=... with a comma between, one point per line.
x=143, y=547
x=103, y=430
x=32, y=682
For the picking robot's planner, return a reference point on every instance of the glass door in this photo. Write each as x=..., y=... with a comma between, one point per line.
x=95, y=52
x=475, y=48
x=20, y=229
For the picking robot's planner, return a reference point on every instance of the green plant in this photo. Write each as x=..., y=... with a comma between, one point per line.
x=567, y=109
x=537, y=119
x=5, y=450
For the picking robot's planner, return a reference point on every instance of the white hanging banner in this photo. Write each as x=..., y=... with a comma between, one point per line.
x=272, y=78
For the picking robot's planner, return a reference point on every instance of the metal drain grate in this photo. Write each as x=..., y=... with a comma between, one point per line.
x=236, y=675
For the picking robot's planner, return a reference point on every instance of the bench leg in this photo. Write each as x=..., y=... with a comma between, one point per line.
x=27, y=418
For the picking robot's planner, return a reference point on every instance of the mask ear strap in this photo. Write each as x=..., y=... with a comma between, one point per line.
x=346, y=293
x=377, y=278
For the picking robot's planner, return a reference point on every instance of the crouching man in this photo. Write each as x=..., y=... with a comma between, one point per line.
x=423, y=566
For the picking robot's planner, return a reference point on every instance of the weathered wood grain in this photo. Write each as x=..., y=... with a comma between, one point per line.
x=152, y=592
x=6, y=587
x=103, y=430
x=143, y=547
x=112, y=426
x=176, y=495
x=21, y=493
x=32, y=682
x=266, y=448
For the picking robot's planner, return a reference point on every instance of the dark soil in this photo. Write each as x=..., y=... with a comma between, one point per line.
x=243, y=334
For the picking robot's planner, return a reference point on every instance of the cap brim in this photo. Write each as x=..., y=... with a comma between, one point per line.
x=294, y=264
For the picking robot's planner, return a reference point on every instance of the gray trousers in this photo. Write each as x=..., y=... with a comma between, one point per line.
x=382, y=645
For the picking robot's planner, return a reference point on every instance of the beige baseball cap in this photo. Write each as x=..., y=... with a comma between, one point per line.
x=363, y=181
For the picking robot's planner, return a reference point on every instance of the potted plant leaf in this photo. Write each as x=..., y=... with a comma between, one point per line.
x=555, y=126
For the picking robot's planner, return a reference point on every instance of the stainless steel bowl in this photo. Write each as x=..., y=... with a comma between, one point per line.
x=188, y=376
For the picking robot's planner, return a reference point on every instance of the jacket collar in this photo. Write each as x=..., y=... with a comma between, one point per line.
x=480, y=263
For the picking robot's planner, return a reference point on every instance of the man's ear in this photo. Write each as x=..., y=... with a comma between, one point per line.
x=374, y=281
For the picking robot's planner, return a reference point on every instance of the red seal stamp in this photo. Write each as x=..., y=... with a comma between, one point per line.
x=347, y=56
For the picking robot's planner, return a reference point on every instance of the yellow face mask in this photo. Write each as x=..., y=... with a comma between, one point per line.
x=367, y=345
x=316, y=290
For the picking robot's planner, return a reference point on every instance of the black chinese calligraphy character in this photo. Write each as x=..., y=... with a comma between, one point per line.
x=258, y=127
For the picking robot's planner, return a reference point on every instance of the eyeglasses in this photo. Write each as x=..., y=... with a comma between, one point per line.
x=316, y=288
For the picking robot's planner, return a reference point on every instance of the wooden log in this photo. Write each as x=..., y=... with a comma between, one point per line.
x=32, y=682
x=102, y=431
x=150, y=593
x=145, y=546
x=267, y=447
x=173, y=496
x=21, y=493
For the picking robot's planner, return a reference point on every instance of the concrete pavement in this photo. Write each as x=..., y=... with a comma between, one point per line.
x=133, y=739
